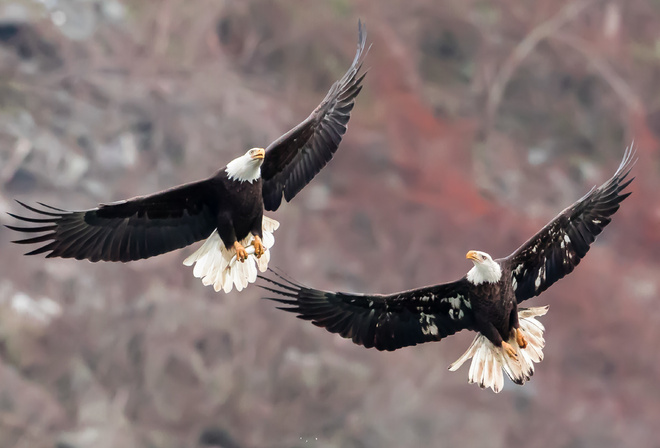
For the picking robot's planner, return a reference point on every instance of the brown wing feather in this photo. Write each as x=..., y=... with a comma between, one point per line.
x=555, y=251
x=128, y=230
x=387, y=322
x=293, y=160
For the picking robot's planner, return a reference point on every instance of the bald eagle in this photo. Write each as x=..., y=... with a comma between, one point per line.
x=226, y=209
x=485, y=300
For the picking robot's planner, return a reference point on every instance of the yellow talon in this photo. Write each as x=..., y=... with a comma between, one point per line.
x=510, y=351
x=241, y=253
x=259, y=248
x=520, y=338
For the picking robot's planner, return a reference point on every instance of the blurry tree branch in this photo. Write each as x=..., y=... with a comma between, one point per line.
x=22, y=149
x=547, y=29
x=163, y=25
x=618, y=84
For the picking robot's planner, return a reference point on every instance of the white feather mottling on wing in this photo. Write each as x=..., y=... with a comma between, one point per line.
x=488, y=361
x=216, y=265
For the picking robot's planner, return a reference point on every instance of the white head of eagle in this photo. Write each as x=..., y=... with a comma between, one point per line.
x=485, y=270
x=246, y=167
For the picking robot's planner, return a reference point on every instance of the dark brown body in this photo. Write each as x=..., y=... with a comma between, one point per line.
x=241, y=211
x=495, y=308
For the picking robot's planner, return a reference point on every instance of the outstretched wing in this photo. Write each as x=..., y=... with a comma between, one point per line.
x=555, y=251
x=293, y=160
x=387, y=322
x=128, y=230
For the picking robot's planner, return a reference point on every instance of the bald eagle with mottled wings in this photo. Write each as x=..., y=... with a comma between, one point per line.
x=485, y=300
x=226, y=209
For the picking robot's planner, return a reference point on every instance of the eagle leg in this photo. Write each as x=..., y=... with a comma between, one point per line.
x=520, y=338
x=241, y=253
x=259, y=248
x=510, y=351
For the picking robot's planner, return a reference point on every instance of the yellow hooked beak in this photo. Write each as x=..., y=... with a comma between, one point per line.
x=258, y=153
x=472, y=255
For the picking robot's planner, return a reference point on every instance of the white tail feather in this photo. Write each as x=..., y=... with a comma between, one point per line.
x=216, y=265
x=488, y=361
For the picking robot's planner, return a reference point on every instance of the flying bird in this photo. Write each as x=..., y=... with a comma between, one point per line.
x=227, y=209
x=486, y=300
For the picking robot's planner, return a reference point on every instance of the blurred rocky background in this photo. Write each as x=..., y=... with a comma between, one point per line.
x=480, y=120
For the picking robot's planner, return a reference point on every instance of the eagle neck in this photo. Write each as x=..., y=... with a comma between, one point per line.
x=244, y=169
x=486, y=272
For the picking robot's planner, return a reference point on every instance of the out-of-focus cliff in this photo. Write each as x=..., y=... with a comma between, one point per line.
x=478, y=123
